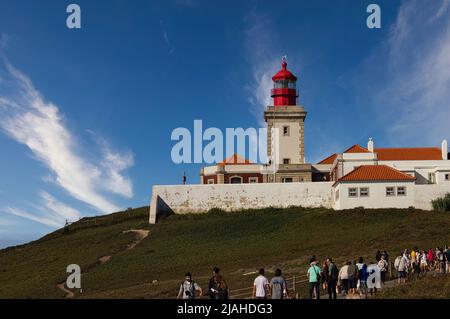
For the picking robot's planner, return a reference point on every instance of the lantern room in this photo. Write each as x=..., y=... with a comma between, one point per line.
x=284, y=90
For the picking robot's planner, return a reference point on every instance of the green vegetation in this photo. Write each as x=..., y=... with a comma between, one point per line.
x=238, y=242
x=442, y=204
x=436, y=286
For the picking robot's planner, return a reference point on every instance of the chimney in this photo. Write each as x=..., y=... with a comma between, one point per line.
x=444, y=147
x=370, y=145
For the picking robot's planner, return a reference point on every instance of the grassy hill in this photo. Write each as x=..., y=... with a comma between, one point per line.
x=239, y=243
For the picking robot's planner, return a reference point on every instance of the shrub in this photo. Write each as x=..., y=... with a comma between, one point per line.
x=442, y=203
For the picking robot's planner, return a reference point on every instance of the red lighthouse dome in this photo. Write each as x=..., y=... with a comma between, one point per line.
x=284, y=90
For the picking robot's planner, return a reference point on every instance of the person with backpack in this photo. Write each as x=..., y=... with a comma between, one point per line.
x=260, y=286
x=314, y=278
x=218, y=288
x=401, y=265
x=189, y=288
x=383, y=266
x=363, y=274
x=333, y=274
x=278, y=286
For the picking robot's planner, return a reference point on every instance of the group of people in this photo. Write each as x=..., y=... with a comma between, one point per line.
x=350, y=280
x=217, y=288
x=353, y=279
x=416, y=263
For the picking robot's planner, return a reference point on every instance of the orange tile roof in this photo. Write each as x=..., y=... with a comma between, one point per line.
x=329, y=160
x=395, y=154
x=356, y=149
x=375, y=173
x=409, y=154
x=235, y=159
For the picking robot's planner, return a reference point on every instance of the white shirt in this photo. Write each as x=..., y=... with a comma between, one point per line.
x=261, y=283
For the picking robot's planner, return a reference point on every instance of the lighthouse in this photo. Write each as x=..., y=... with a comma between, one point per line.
x=285, y=120
x=284, y=90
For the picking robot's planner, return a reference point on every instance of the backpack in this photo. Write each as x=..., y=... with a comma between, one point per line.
x=189, y=289
x=397, y=262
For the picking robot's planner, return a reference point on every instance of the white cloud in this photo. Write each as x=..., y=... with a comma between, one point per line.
x=59, y=210
x=36, y=218
x=5, y=222
x=411, y=95
x=29, y=119
x=264, y=61
x=50, y=212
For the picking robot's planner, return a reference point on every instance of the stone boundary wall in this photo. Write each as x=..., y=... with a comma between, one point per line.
x=185, y=199
x=195, y=199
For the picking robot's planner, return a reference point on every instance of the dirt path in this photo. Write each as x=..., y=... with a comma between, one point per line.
x=141, y=234
x=68, y=293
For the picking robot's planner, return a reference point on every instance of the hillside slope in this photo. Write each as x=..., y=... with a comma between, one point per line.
x=237, y=242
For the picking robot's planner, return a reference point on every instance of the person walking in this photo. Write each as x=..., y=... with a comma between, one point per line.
x=362, y=277
x=218, y=288
x=314, y=278
x=189, y=288
x=333, y=275
x=278, y=287
x=441, y=260
x=352, y=273
x=343, y=278
x=260, y=286
x=447, y=259
x=382, y=266
x=324, y=275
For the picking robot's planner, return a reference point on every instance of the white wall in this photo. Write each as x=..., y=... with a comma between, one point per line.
x=289, y=146
x=377, y=196
x=426, y=193
x=184, y=199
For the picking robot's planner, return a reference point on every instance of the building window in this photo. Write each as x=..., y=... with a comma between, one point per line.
x=401, y=191
x=337, y=195
x=287, y=180
x=236, y=180
x=253, y=180
x=364, y=192
x=353, y=192
x=447, y=177
x=390, y=191
x=286, y=161
x=285, y=130
x=431, y=178
x=210, y=181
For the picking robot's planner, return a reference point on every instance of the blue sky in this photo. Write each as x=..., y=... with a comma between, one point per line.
x=86, y=115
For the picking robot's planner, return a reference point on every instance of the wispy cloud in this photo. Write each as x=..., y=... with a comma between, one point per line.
x=259, y=42
x=49, y=211
x=166, y=38
x=412, y=95
x=27, y=118
x=5, y=222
